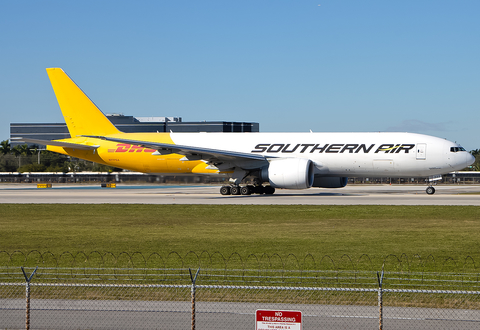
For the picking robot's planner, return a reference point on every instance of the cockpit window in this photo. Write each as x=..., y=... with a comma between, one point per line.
x=457, y=149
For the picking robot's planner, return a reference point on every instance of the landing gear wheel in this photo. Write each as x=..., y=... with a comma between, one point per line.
x=430, y=190
x=268, y=190
x=235, y=190
x=245, y=190
x=225, y=190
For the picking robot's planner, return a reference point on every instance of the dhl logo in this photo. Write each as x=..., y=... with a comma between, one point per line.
x=124, y=147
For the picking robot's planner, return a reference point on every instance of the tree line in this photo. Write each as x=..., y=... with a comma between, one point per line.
x=22, y=158
x=475, y=166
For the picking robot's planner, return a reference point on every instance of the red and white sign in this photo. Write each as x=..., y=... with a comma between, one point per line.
x=278, y=320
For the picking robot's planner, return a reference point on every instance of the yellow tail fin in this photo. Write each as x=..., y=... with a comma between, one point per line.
x=81, y=114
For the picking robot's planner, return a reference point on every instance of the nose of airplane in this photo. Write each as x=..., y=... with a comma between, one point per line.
x=470, y=159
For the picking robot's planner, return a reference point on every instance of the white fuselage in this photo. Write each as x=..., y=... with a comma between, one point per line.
x=344, y=154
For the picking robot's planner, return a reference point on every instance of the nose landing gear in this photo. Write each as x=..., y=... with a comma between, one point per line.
x=430, y=190
x=433, y=180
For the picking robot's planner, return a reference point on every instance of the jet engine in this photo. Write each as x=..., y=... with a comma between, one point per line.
x=330, y=181
x=289, y=173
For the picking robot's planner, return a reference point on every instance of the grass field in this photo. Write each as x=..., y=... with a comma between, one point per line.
x=444, y=232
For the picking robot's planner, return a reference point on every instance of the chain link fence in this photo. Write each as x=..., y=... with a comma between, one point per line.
x=180, y=298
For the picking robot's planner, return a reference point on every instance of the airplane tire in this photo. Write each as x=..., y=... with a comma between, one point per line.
x=225, y=190
x=235, y=190
x=430, y=190
x=245, y=190
x=268, y=190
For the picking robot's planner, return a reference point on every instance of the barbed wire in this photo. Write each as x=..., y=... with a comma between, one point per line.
x=263, y=269
x=259, y=262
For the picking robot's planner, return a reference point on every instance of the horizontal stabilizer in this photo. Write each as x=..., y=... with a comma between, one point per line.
x=56, y=143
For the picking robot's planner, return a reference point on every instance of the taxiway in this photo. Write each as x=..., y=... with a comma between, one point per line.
x=164, y=194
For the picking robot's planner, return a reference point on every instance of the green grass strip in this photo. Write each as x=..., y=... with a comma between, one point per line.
x=448, y=233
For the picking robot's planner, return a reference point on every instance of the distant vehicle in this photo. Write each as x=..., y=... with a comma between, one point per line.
x=265, y=160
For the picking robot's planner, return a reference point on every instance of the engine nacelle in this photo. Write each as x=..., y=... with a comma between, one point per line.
x=289, y=173
x=330, y=181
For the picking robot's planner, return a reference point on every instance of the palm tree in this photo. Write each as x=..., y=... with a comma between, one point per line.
x=476, y=153
x=16, y=150
x=36, y=151
x=25, y=150
x=5, y=147
x=20, y=150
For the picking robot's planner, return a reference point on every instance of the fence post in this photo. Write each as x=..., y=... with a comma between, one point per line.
x=380, y=300
x=27, y=285
x=194, y=279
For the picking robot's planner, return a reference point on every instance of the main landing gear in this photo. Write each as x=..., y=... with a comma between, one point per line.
x=430, y=190
x=246, y=190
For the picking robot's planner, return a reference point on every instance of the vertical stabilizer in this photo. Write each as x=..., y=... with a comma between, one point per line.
x=81, y=114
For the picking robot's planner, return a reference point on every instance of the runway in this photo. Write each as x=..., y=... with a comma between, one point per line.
x=165, y=194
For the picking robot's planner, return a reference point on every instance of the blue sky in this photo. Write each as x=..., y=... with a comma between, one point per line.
x=290, y=65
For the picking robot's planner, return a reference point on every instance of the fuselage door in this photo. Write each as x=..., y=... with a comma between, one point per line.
x=421, y=151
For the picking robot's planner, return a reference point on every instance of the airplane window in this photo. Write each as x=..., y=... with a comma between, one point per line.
x=457, y=149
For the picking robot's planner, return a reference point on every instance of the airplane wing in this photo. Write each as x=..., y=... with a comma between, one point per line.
x=56, y=143
x=191, y=153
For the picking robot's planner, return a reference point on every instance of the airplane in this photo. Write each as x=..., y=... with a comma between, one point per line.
x=255, y=162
